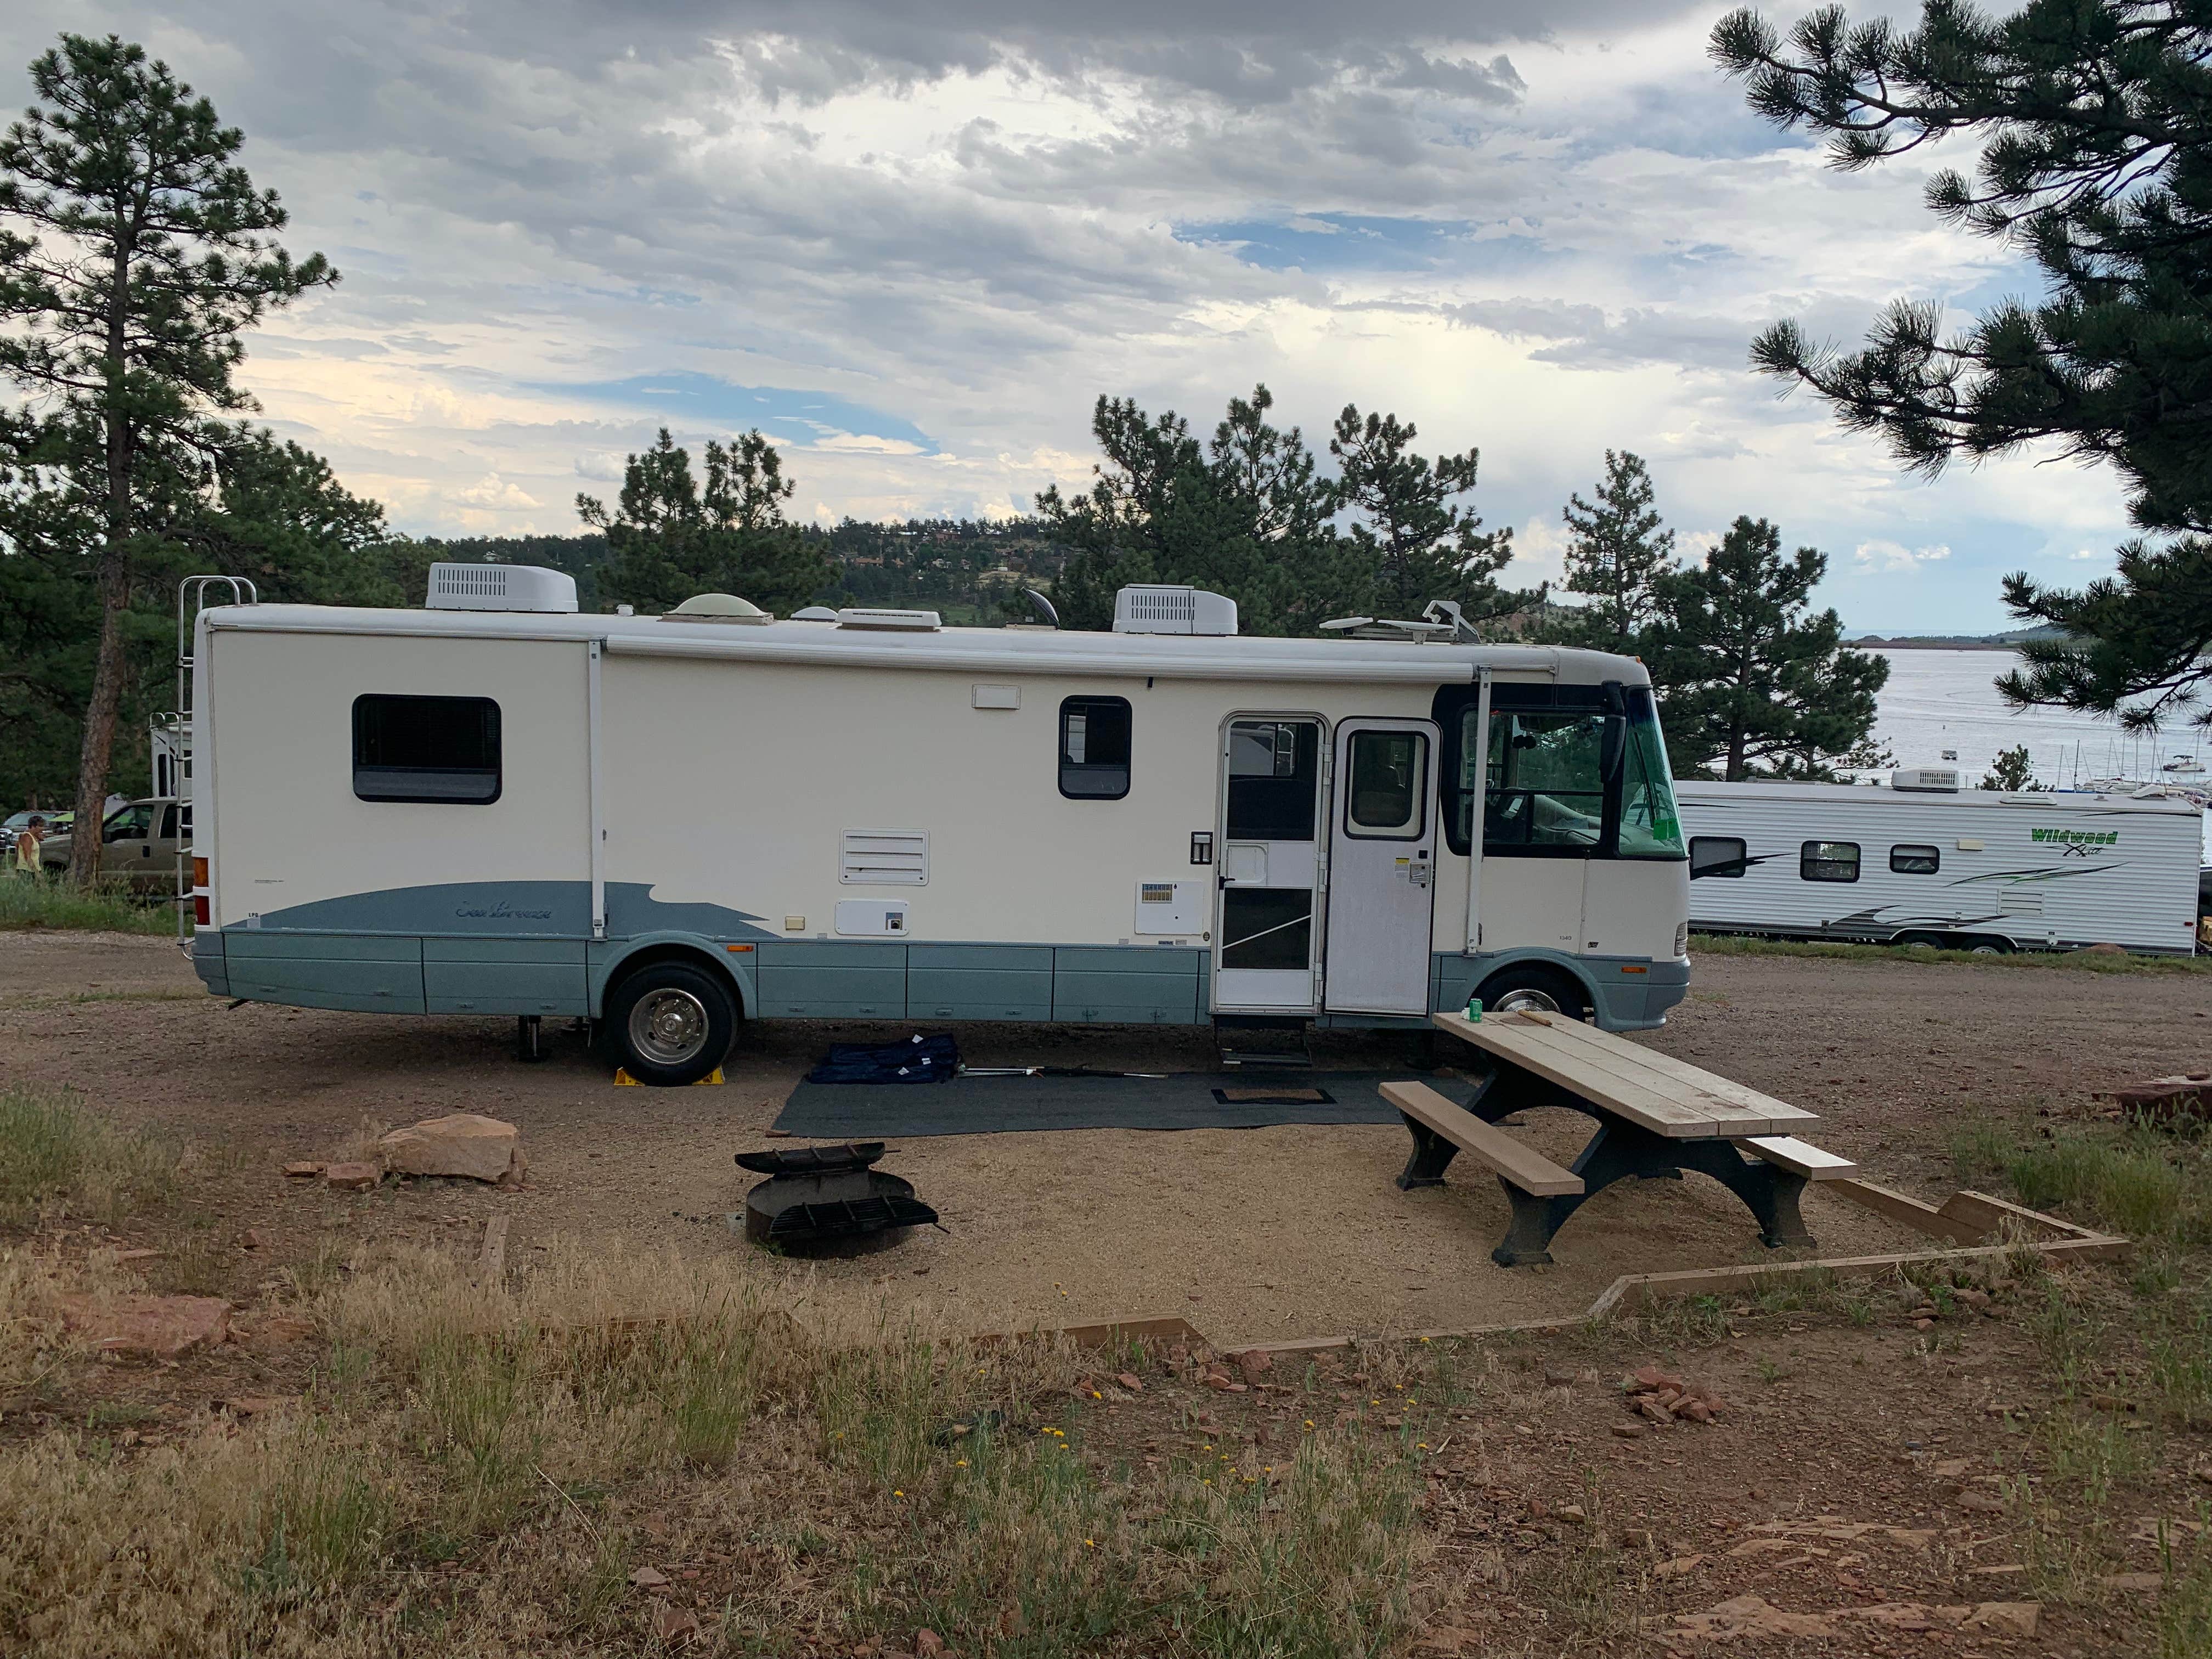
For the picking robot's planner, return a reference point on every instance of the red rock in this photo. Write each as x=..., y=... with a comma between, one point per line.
x=1697, y=1411
x=928, y=1644
x=249, y=1240
x=675, y=1625
x=302, y=1169
x=150, y=1327
x=1128, y=1380
x=351, y=1177
x=1651, y=1380
x=648, y=1577
x=461, y=1144
x=1255, y=1364
x=1629, y=1431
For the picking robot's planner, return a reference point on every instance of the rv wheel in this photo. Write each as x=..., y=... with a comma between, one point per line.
x=672, y=1024
x=1543, y=990
x=1982, y=945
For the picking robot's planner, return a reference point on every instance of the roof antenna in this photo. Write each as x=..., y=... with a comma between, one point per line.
x=1049, y=617
x=1447, y=610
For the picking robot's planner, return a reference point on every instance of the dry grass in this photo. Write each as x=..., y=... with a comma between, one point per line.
x=475, y=1472
x=57, y=1160
x=49, y=903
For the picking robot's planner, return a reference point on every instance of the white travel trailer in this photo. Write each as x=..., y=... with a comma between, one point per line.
x=496, y=806
x=1923, y=861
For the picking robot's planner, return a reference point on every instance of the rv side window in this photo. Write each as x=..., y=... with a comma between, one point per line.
x=441, y=750
x=1829, y=860
x=1094, y=748
x=1718, y=855
x=1916, y=860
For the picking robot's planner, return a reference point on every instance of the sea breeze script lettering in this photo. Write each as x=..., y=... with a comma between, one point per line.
x=501, y=912
x=2079, y=837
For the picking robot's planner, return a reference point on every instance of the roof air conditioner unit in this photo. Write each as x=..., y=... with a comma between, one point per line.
x=455, y=587
x=1927, y=779
x=1173, y=611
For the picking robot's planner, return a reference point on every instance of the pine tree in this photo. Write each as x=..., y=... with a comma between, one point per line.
x=134, y=253
x=1412, y=542
x=668, y=540
x=2094, y=118
x=2012, y=771
x=1616, y=554
x=1745, y=676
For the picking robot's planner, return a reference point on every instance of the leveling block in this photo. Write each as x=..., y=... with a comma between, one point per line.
x=624, y=1080
x=814, y=1194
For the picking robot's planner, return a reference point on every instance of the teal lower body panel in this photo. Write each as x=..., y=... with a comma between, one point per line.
x=209, y=963
x=857, y=992
x=359, y=975
x=1626, y=993
x=1093, y=985
x=504, y=977
x=979, y=993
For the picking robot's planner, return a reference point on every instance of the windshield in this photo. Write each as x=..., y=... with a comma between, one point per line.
x=1649, y=826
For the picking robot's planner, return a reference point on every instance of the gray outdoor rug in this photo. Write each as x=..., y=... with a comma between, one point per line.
x=1186, y=1100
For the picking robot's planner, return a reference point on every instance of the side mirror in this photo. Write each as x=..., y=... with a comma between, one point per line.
x=1613, y=747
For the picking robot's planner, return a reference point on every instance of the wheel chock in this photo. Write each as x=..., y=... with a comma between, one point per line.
x=624, y=1080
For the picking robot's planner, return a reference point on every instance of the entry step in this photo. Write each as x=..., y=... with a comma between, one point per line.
x=1255, y=1042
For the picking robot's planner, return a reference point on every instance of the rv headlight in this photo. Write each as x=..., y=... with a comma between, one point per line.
x=1682, y=938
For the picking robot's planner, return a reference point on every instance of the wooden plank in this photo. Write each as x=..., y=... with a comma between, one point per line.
x=1524, y=1166
x=1799, y=1156
x=1980, y=1210
x=1724, y=1090
x=1628, y=1064
x=1631, y=1100
x=1900, y=1206
x=1620, y=1083
x=491, y=1263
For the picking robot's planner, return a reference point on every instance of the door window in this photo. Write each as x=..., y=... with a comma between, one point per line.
x=1545, y=785
x=1384, y=799
x=1274, y=769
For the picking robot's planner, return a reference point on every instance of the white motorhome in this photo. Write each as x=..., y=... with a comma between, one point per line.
x=496, y=806
x=1923, y=861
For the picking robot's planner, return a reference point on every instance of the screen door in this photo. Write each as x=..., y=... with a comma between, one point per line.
x=1382, y=866
x=1264, y=945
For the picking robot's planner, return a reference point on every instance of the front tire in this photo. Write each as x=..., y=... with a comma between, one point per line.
x=1536, y=988
x=672, y=1024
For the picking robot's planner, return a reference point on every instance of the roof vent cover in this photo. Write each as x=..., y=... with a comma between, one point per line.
x=1165, y=609
x=456, y=587
x=717, y=608
x=1926, y=780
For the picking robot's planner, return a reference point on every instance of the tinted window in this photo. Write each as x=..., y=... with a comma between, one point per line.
x=1915, y=861
x=1545, y=788
x=1829, y=860
x=1094, y=748
x=1274, y=773
x=1717, y=855
x=443, y=750
x=1385, y=799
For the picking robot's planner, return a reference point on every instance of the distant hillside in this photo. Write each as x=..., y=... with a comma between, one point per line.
x=1951, y=642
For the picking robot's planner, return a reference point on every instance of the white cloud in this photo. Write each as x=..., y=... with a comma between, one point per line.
x=1895, y=558
x=494, y=491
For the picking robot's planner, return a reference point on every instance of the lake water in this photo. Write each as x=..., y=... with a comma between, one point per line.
x=1940, y=700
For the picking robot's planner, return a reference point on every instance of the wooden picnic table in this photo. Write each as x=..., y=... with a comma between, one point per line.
x=1656, y=1117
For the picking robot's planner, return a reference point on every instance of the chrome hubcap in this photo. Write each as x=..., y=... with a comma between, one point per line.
x=1514, y=1002
x=668, y=1027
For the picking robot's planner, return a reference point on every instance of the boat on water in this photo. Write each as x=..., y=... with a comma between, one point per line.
x=2185, y=766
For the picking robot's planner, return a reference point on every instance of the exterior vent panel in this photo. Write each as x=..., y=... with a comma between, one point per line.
x=1164, y=609
x=884, y=858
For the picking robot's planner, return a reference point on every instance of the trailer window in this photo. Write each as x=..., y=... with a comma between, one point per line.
x=441, y=750
x=1094, y=748
x=1385, y=801
x=1829, y=860
x=1916, y=860
x=1718, y=855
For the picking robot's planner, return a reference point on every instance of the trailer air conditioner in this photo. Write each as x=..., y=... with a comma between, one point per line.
x=1173, y=611
x=455, y=587
x=1926, y=780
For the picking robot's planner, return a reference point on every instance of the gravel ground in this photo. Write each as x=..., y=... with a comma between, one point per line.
x=1252, y=1235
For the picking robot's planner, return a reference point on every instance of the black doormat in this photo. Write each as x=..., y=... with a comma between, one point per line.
x=1186, y=1100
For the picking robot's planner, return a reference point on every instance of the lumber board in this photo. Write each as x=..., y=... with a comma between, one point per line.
x=1913, y=1212
x=491, y=1262
x=1725, y=1090
x=1523, y=1166
x=1799, y=1156
x=1979, y=1209
x=1620, y=1082
x=1626, y=1065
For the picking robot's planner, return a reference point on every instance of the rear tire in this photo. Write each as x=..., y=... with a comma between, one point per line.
x=671, y=1024
x=1985, y=944
x=1536, y=988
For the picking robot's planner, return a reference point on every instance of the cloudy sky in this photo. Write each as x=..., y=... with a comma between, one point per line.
x=912, y=240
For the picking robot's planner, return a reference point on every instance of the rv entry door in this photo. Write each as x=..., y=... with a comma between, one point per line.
x=1264, y=944
x=1381, y=867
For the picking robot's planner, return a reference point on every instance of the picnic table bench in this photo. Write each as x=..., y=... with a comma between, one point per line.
x=1656, y=1117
